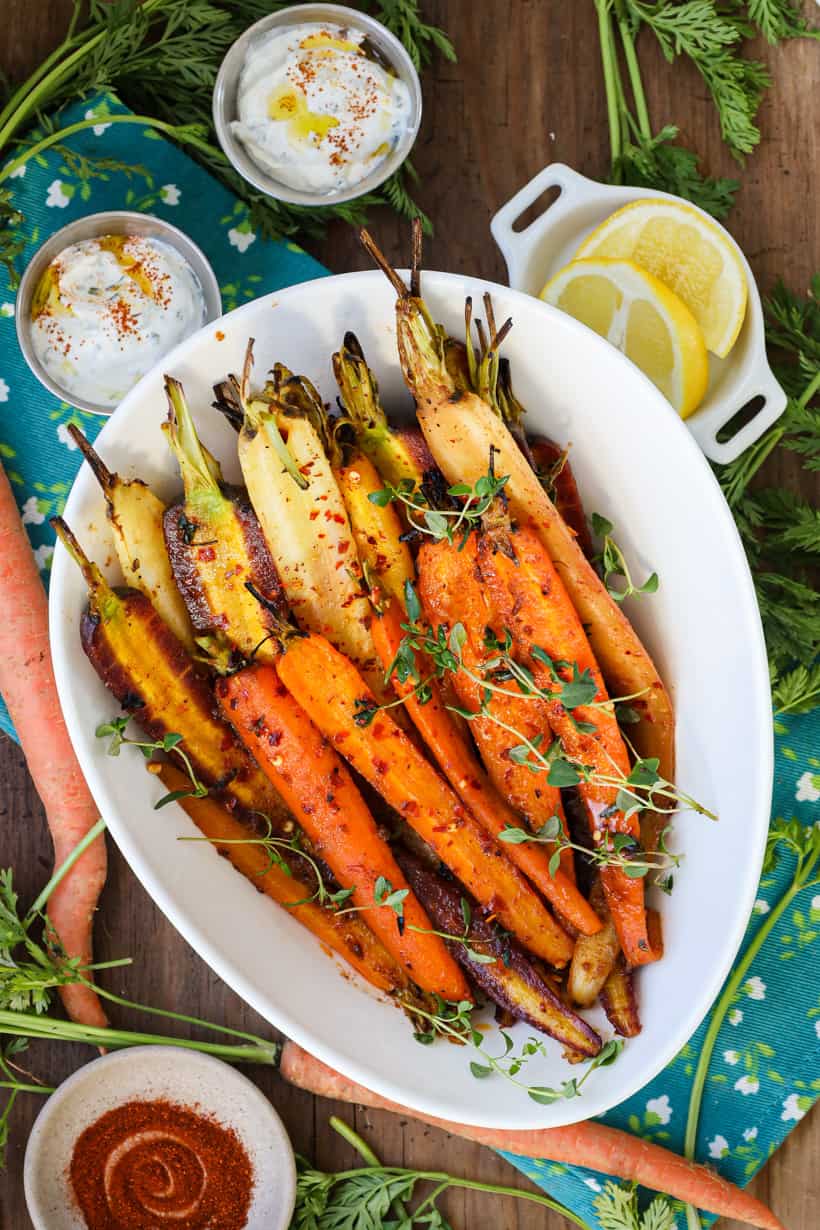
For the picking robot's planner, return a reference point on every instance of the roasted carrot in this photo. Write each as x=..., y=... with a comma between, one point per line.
x=461, y=767
x=138, y=658
x=377, y=529
x=594, y=1145
x=552, y=466
x=338, y=700
x=595, y=955
x=451, y=593
x=533, y=604
x=318, y=788
x=347, y=934
x=28, y=687
x=136, y=515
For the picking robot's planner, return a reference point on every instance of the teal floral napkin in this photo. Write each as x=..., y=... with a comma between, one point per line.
x=765, y=1071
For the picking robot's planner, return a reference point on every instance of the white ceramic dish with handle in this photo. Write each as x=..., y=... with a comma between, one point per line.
x=536, y=252
x=636, y=463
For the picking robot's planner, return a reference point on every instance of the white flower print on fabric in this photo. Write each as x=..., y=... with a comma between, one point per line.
x=747, y=1085
x=795, y=1107
x=4, y=390
x=718, y=1147
x=170, y=194
x=57, y=196
x=65, y=438
x=731, y=1057
x=755, y=987
x=660, y=1107
x=817, y=1028
x=42, y=556
x=98, y=129
x=815, y=902
x=19, y=172
x=31, y=514
x=240, y=239
x=750, y=1134
x=735, y=1016
x=807, y=789
x=7, y=310
x=592, y=1184
x=761, y=906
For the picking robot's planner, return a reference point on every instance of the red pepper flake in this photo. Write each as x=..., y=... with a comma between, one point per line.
x=146, y=1164
x=206, y=554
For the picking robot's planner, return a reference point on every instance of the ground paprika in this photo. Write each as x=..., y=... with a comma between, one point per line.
x=145, y=1165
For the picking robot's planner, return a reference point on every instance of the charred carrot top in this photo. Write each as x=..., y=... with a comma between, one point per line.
x=461, y=767
x=318, y=788
x=532, y=602
x=347, y=934
x=334, y=694
x=452, y=592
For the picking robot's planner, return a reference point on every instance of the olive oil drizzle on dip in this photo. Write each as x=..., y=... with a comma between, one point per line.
x=106, y=310
x=317, y=110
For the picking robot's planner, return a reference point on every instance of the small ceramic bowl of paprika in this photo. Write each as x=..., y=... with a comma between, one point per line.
x=159, y=1132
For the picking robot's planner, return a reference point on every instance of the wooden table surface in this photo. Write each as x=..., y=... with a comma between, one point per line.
x=527, y=90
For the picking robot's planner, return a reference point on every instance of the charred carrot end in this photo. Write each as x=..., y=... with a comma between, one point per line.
x=465, y=774
x=346, y=934
x=318, y=788
x=337, y=699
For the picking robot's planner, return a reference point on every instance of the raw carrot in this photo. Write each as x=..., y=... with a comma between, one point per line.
x=460, y=765
x=316, y=785
x=451, y=593
x=30, y=692
x=336, y=697
x=531, y=601
x=605, y=1149
x=347, y=934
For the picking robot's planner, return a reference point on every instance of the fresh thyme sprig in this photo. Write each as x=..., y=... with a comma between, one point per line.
x=448, y=524
x=115, y=730
x=619, y=850
x=454, y=1020
x=613, y=564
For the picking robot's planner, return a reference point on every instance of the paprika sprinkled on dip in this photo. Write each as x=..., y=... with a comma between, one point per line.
x=144, y=1165
x=106, y=310
x=317, y=109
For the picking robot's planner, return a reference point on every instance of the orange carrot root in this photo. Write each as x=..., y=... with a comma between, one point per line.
x=30, y=692
x=589, y=1144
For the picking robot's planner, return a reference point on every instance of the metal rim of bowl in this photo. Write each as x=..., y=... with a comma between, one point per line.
x=39, y=1141
x=227, y=83
x=109, y=222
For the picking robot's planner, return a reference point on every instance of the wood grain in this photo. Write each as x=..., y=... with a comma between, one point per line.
x=526, y=91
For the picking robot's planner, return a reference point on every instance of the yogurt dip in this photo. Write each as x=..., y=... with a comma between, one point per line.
x=316, y=111
x=106, y=310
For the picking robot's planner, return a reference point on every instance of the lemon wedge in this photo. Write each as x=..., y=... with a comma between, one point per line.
x=689, y=253
x=634, y=311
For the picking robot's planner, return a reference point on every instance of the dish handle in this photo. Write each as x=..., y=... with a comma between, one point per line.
x=517, y=245
x=707, y=424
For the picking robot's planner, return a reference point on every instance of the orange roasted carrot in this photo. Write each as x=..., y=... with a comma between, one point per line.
x=452, y=593
x=347, y=934
x=316, y=785
x=531, y=601
x=336, y=697
x=460, y=765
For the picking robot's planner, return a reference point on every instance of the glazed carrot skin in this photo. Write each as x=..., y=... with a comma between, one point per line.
x=461, y=767
x=346, y=934
x=547, y=456
x=377, y=530
x=532, y=602
x=28, y=687
x=316, y=785
x=594, y=1145
x=328, y=687
x=452, y=592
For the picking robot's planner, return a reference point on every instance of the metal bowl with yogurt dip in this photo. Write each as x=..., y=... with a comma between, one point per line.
x=318, y=133
x=100, y=238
